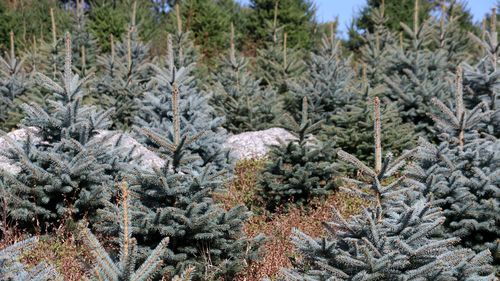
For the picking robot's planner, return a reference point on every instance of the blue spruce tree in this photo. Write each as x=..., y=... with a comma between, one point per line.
x=460, y=175
x=196, y=116
x=482, y=80
x=300, y=170
x=176, y=198
x=65, y=167
x=390, y=240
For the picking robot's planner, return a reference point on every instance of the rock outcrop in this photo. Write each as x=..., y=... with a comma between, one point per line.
x=256, y=144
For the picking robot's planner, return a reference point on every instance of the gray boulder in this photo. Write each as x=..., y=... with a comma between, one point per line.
x=256, y=144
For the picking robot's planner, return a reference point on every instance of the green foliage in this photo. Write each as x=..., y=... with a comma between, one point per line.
x=28, y=19
x=300, y=170
x=482, y=81
x=176, y=202
x=296, y=16
x=111, y=18
x=175, y=106
x=375, y=54
x=123, y=77
x=209, y=22
x=239, y=96
x=11, y=269
x=391, y=245
x=83, y=44
x=417, y=75
x=397, y=12
x=13, y=84
x=278, y=65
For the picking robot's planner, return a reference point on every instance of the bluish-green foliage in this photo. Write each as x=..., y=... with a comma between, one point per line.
x=390, y=240
x=461, y=174
x=125, y=268
x=482, y=81
x=197, y=118
x=13, y=85
x=122, y=78
x=64, y=164
x=300, y=170
x=328, y=83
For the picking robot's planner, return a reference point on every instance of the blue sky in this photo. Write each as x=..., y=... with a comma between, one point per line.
x=328, y=9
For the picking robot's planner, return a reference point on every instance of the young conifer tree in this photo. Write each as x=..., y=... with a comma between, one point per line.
x=184, y=50
x=278, y=63
x=13, y=84
x=84, y=45
x=239, y=96
x=328, y=86
x=452, y=38
x=64, y=165
x=125, y=268
x=417, y=73
x=300, y=170
x=176, y=199
x=461, y=174
x=352, y=127
x=376, y=51
x=196, y=116
x=389, y=241
x=122, y=76
x=482, y=81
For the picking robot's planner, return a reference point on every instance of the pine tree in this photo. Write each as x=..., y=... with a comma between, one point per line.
x=482, y=80
x=64, y=165
x=328, y=83
x=13, y=84
x=300, y=170
x=388, y=244
x=461, y=175
x=122, y=76
x=125, y=268
x=452, y=37
x=372, y=185
x=11, y=269
x=239, y=96
x=389, y=241
x=184, y=50
x=196, y=116
x=208, y=23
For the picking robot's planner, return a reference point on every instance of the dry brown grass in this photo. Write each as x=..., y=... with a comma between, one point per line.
x=242, y=189
x=278, y=251
x=63, y=251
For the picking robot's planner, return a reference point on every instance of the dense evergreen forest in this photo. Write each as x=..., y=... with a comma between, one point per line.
x=115, y=117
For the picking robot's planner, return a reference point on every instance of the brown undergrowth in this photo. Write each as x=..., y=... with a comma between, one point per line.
x=64, y=252
x=278, y=251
